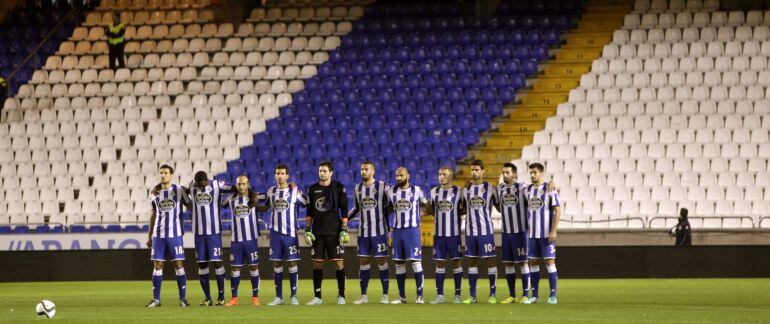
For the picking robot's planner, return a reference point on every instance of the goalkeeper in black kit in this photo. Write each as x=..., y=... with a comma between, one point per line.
x=327, y=229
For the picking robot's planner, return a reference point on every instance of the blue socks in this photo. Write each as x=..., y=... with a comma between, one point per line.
x=278, y=278
x=525, y=280
x=181, y=282
x=535, y=280
x=234, y=281
x=203, y=277
x=157, y=280
x=364, y=273
x=458, y=276
x=553, y=278
x=418, y=276
x=401, y=280
x=492, y=273
x=440, y=273
x=254, y=283
x=473, y=276
x=220, y=272
x=510, y=277
x=385, y=278
x=293, y=278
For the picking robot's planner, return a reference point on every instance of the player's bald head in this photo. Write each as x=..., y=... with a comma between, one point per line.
x=242, y=184
x=402, y=177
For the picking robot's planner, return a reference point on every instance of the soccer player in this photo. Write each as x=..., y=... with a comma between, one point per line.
x=448, y=206
x=165, y=235
x=479, y=237
x=407, y=246
x=543, y=212
x=207, y=198
x=284, y=200
x=243, y=246
x=513, y=206
x=373, y=206
x=326, y=229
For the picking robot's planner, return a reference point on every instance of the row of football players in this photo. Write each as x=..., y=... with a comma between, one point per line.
x=389, y=217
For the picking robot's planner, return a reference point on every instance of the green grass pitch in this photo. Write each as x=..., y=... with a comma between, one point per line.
x=585, y=301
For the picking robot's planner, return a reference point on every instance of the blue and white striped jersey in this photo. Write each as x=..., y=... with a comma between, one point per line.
x=167, y=205
x=284, y=204
x=245, y=222
x=207, y=207
x=370, y=204
x=406, y=205
x=480, y=199
x=540, y=211
x=513, y=206
x=446, y=206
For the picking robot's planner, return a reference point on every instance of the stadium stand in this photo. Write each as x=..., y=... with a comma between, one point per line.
x=97, y=136
x=23, y=30
x=671, y=115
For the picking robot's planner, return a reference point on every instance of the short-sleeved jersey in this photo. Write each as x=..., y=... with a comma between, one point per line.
x=480, y=199
x=513, y=206
x=207, y=207
x=446, y=205
x=371, y=205
x=284, y=204
x=245, y=222
x=540, y=210
x=406, y=205
x=167, y=205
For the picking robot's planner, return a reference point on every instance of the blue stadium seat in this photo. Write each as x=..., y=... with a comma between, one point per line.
x=114, y=228
x=77, y=229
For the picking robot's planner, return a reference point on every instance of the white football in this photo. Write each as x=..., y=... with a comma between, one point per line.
x=45, y=308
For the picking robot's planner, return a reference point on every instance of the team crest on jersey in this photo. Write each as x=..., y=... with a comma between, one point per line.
x=320, y=204
x=445, y=206
x=167, y=205
x=368, y=203
x=242, y=211
x=510, y=200
x=535, y=203
x=477, y=202
x=203, y=198
x=281, y=205
x=403, y=205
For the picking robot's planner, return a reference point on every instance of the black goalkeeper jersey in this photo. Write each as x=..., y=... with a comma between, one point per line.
x=327, y=205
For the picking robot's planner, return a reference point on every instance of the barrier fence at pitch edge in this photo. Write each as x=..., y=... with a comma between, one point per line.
x=573, y=262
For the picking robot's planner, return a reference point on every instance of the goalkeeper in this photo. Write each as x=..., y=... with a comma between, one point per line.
x=327, y=230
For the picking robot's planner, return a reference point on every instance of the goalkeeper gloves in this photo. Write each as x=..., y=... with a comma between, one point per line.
x=344, y=237
x=309, y=237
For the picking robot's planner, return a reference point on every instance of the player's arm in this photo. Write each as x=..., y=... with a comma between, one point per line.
x=556, y=205
x=265, y=207
x=496, y=199
x=342, y=203
x=342, y=206
x=186, y=199
x=551, y=187
x=556, y=216
x=152, y=222
x=353, y=212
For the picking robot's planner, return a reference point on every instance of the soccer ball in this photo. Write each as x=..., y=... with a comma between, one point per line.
x=45, y=308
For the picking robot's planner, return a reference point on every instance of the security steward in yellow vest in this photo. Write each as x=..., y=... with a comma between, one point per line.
x=116, y=40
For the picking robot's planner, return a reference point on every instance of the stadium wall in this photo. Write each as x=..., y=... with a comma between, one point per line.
x=573, y=262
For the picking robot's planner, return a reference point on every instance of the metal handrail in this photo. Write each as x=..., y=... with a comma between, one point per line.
x=45, y=40
x=630, y=218
x=762, y=219
x=722, y=218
